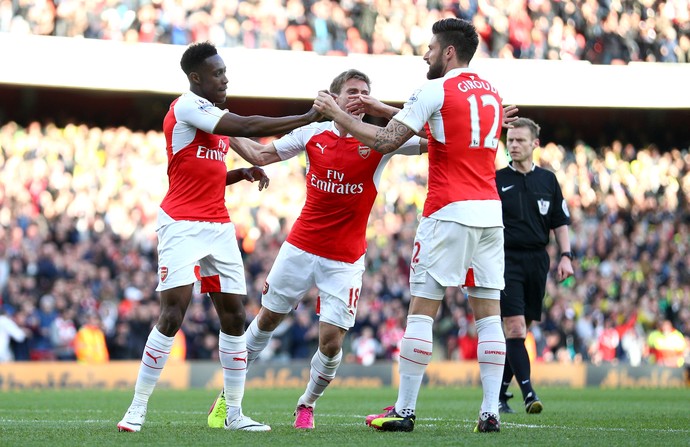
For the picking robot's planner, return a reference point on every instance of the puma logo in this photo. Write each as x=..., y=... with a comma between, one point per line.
x=240, y=359
x=155, y=359
x=321, y=147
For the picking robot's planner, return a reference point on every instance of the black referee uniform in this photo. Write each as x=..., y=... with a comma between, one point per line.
x=533, y=205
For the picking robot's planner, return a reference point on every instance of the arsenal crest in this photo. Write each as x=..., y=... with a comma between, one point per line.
x=364, y=151
x=265, y=291
x=164, y=273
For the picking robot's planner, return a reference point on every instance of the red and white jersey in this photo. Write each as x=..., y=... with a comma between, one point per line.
x=462, y=115
x=196, y=161
x=342, y=182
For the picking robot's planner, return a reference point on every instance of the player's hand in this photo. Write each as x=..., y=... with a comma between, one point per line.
x=326, y=105
x=365, y=104
x=509, y=115
x=256, y=173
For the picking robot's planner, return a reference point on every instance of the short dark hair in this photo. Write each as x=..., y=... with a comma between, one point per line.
x=529, y=124
x=195, y=55
x=342, y=78
x=458, y=33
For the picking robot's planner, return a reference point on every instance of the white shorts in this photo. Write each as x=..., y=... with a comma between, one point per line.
x=183, y=245
x=449, y=254
x=295, y=272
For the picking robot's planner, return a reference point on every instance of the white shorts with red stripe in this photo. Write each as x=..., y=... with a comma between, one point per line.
x=207, y=252
x=296, y=271
x=449, y=254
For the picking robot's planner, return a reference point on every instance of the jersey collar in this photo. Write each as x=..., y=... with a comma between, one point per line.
x=510, y=165
x=457, y=72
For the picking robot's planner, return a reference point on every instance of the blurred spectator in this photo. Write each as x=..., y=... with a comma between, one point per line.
x=606, y=347
x=366, y=348
x=45, y=315
x=303, y=334
x=391, y=333
x=178, y=351
x=572, y=343
x=467, y=338
x=21, y=345
x=89, y=344
x=9, y=330
x=667, y=345
x=63, y=332
x=120, y=346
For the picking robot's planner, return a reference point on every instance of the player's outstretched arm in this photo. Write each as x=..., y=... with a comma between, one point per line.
x=373, y=107
x=383, y=140
x=234, y=125
x=254, y=152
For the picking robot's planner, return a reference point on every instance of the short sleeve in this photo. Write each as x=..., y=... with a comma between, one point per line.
x=293, y=143
x=198, y=112
x=421, y=106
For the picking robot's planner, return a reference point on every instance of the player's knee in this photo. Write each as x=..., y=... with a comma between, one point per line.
x=233, y=319
x=330, y=347
x=170, y=321
x=269, y=320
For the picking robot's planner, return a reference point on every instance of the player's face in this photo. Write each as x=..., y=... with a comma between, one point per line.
x=351, y=88
x=434, y=57
x=520, y=144
x=213, y=81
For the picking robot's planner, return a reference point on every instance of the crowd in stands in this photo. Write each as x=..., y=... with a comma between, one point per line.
x=78, y=253
x=603, y=32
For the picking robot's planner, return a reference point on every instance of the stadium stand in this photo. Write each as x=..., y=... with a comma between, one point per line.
x=600, y=32
x=82, y=165
x=78, y=205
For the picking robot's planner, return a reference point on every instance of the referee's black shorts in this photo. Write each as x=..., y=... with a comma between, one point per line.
x=525, y=283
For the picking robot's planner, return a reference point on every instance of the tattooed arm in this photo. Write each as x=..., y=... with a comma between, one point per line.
x=391, y=137
x=380, y=139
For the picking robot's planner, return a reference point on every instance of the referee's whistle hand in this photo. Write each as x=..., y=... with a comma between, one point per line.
x=565, y=269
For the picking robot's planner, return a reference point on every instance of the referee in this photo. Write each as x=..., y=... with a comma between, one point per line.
x=533, y=205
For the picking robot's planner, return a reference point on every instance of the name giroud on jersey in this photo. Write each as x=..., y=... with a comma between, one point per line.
x=465, y=86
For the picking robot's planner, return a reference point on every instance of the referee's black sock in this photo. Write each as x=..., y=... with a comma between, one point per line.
x=517, y=356
x=507, y=378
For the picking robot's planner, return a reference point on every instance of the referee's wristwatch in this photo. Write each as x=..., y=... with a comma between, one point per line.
x=567, y=254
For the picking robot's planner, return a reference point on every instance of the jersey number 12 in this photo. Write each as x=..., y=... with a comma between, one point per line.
x=490, y=141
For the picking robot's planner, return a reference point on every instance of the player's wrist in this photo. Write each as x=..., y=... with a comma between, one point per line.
x=567, y=254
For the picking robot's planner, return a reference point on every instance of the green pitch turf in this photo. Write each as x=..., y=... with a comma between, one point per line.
x=446, y=416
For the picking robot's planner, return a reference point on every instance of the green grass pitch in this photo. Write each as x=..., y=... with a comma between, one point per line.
x=446, y=416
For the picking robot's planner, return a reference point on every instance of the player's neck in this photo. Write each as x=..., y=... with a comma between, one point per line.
x=197, y=91
x=453, y=64
x=341, y=130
